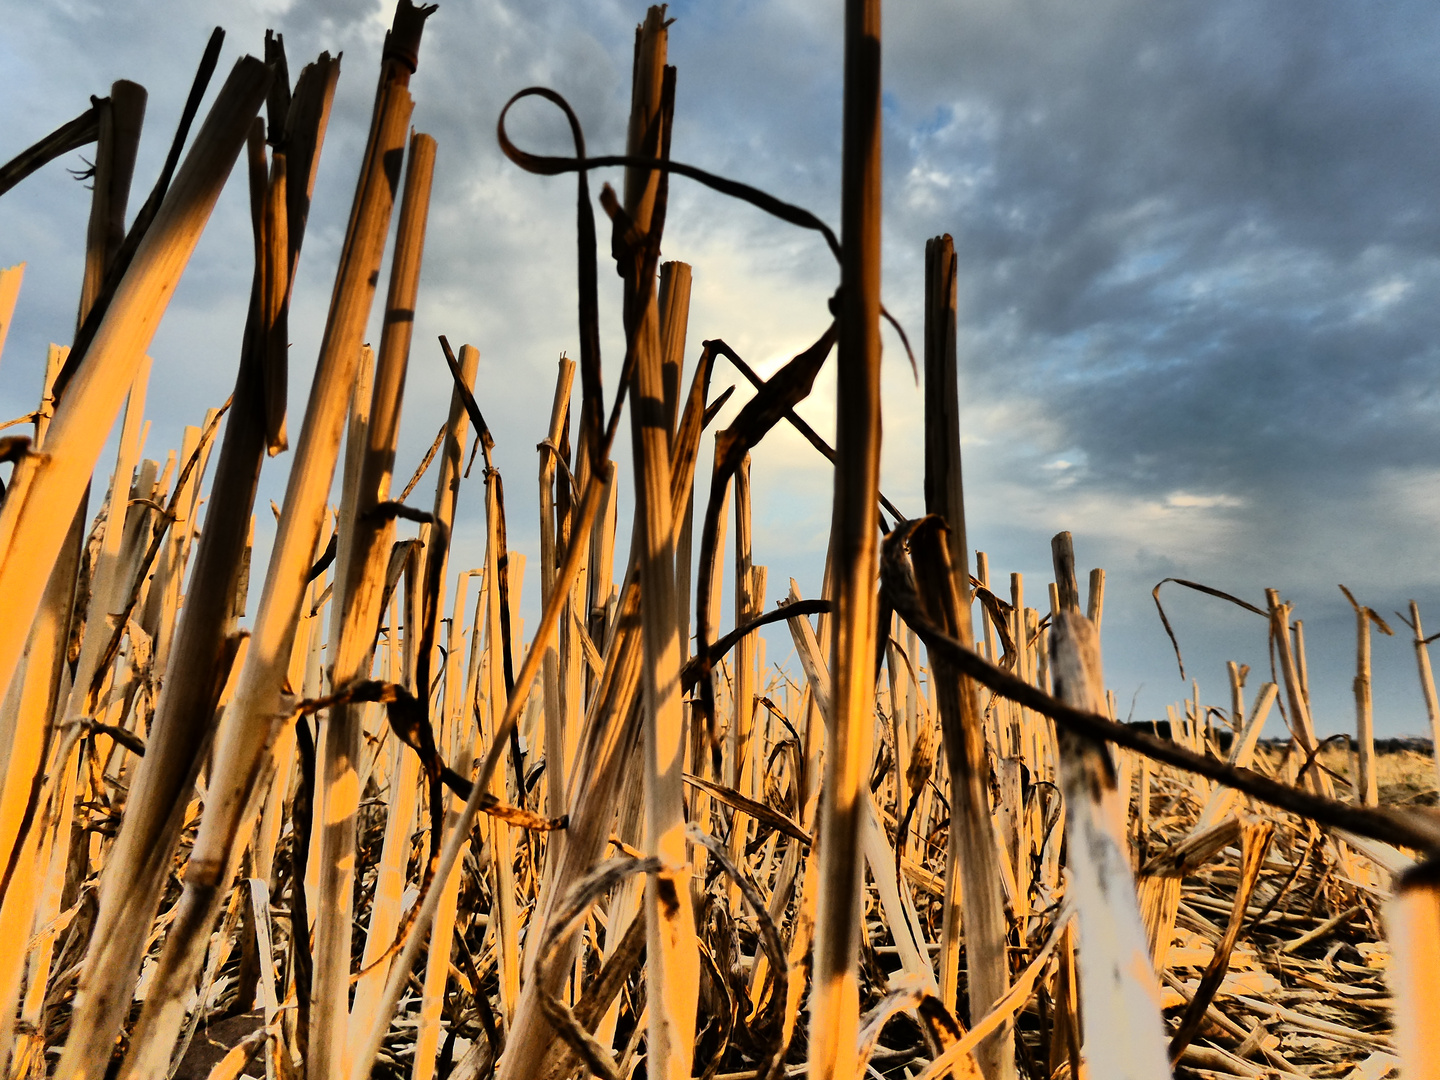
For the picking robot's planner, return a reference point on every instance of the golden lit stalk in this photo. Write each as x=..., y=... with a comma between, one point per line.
x=834, y=999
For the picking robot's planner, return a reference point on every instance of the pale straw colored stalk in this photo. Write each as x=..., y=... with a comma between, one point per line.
x=268, y=992
x=437, y=964
x=672, y=958
x=572, y=640
x=29, y=1048
x=357, y=423
x=1123, y=1030
x=1291, y=658
x=549, y=619
x=503, y=913
x=447, y=498
x=1159, y=886
x=162, y=598
x=1242, y=754
x=1065, y=1033
x=739, y=767
x=626, y=903
x=817, y=737
x=1022, y=720
x=898, y=683
x=1427, y=682
x=791, y=862
x=115, y=561
x=974, y=877
x=452, y=706
x=559, y=741
x=1237, y=693
x=356, y=443
x=1317, y=779
x=909, y=938
x=606, y=741
x=895, y=902
x=390, y=871
x=361, y=565
x=55, y=358
x=1095, y=601
x=132, y=657
x=1302, y=667
x=274, y=813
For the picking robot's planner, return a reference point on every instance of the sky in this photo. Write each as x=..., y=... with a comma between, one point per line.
x=1196, y=245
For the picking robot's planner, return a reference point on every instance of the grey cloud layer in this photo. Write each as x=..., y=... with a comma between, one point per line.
x=1198, y=246
x=1202, y=234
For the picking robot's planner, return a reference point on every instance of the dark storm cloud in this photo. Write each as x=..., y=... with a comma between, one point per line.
x=1203, y=236
x=1198, y=249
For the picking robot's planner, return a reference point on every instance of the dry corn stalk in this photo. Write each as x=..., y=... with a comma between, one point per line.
x=1123, y=1033
x=182, y=726
x=834, y=998
x=1427, y=682
x=28, y=712
x=363, y=551
x=973, y=848
x=255, y=716
x=672, y=961
x=1364, y=703
x=559, y=737
x=46, y=490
